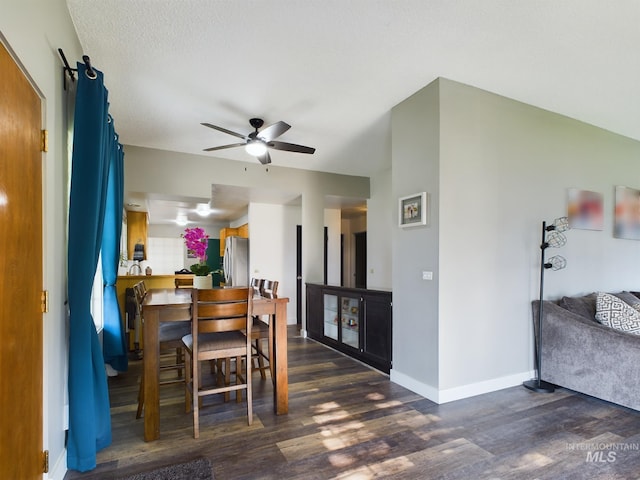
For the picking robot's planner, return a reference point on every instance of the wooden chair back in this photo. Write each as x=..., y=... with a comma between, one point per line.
x=256, y=284
x=270, y=289
x=140, y=290
x=220, y=330
x=221, y=309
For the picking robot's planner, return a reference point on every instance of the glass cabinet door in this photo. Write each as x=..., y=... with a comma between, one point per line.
x=350, y=321
x=330, y=323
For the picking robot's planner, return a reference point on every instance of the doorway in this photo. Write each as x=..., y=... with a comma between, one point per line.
x=361, y=259
x=299, y=269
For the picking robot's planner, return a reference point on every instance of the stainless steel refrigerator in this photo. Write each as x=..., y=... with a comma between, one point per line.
x=235, y=262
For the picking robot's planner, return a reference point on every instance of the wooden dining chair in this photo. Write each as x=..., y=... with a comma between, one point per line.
x=221, y=329
x=270, y=289
x=139, y=292
x=260, y=332
x=256, y=284
x=170, y=333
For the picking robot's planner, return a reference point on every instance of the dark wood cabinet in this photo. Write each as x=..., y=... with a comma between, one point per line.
x=354, y=321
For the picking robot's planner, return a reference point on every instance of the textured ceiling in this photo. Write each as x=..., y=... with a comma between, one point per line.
x=333, y=69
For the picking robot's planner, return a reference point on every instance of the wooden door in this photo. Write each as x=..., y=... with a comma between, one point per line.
x=21, y=339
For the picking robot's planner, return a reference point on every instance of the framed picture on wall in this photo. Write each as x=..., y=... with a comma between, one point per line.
x=627, y=213
x=585, y=209
x=412, y=210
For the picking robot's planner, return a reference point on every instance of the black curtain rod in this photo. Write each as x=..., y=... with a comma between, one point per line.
x=91, y=73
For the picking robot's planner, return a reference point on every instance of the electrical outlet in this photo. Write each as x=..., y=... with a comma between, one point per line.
x=427, y=275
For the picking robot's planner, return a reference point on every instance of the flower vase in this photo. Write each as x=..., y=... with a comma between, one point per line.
x=202, y=282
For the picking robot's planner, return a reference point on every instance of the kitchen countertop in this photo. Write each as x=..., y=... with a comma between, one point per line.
x=142, y=277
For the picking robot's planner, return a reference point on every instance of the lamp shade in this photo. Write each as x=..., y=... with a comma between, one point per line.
x=556, y=262
x=556, y=239
x=560, y=224
x=256, y=148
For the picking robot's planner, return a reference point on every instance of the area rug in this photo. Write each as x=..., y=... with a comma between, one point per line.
x=199, y=469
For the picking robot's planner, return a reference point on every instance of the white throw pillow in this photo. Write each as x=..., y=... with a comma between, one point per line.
x=614, y=313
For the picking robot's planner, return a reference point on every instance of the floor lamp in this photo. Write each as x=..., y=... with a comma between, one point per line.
x=552, y=236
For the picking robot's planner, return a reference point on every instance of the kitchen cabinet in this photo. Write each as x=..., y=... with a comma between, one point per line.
x=137, y=223
x=355, y=321
x=241, y=231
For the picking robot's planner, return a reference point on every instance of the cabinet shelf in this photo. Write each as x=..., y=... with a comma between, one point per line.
x=356, y=322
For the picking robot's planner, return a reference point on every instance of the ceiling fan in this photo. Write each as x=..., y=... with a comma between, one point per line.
x=257, y=142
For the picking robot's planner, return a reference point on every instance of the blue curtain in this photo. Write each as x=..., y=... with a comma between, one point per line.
x=89, y=416
x=113, y=340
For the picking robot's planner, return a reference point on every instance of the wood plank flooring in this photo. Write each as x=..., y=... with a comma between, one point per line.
x=347, y=421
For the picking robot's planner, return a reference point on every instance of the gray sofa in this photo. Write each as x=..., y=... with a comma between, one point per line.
x=580, y=354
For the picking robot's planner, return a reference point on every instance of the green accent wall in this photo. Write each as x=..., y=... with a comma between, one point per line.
x=214, y=260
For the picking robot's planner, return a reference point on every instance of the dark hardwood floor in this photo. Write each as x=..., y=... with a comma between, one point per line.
x=347, y=421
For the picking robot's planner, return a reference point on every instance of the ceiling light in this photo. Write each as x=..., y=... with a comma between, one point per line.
x=257, y=148
x=181, y=219
x=203, y=209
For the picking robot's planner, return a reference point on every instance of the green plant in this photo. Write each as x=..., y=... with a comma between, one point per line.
x=200, y=269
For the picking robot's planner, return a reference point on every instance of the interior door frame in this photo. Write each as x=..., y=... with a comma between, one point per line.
x=360, y=257
x=299, y=269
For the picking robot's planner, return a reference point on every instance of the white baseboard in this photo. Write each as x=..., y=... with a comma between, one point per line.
x=457, y=393
x=59, y=469
x=410, y=383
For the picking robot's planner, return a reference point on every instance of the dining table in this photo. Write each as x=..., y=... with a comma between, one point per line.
x=174, y=305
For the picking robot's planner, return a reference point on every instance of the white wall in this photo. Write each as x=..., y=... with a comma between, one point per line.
x=272, y=248
x=515, y=163
x=238, y=222
x=380, y=223
x=502, y=167
x=415, y=168
x=332, y=220
x=34, y=30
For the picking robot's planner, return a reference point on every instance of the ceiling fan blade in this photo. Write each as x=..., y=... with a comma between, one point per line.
x=224, y=130
x=291, y=147
x=264, y=159
x=273, y=131
x=222, y=147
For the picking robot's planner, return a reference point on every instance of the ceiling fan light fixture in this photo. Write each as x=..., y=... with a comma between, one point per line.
x=203, y=209
x=181, y=219
x=256, y=148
